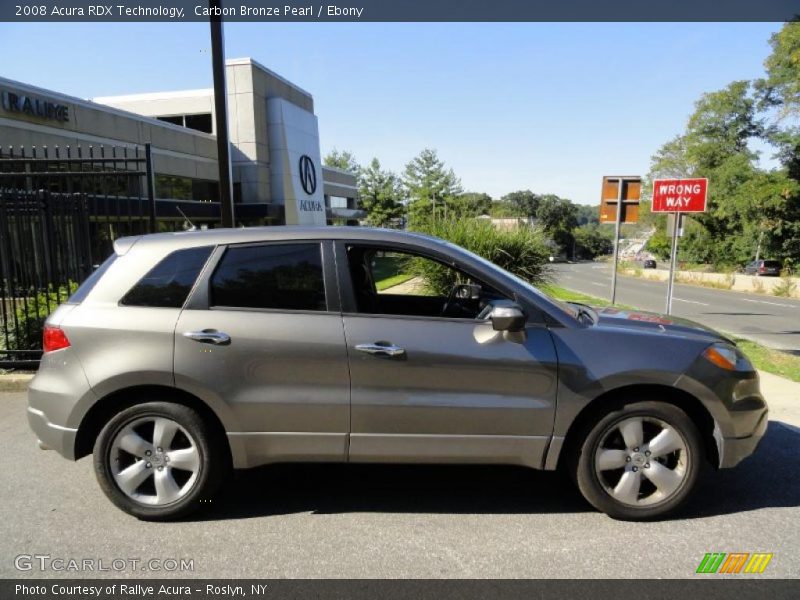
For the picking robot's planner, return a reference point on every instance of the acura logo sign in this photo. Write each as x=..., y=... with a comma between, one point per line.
x=308, y=175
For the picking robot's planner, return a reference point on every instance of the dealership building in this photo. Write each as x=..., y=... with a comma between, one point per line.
x=276, y=164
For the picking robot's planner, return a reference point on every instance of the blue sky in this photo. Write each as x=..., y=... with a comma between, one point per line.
x=549, y=107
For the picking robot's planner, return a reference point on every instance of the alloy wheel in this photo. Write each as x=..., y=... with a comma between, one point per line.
x=641, y=461
x=154, y=460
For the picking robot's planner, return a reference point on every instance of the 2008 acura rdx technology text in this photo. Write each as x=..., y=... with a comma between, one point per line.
x=188, y=354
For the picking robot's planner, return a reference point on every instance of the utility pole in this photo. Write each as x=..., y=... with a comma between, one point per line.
x=617, y=223
x=673, y=259
x=221, y=112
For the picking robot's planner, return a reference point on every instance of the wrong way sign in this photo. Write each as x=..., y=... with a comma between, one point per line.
x=680, y=195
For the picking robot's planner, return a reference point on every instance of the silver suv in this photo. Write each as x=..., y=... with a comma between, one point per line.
x=186, y=355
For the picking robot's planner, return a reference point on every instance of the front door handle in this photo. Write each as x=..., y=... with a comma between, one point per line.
x=209, y=336
x=381, y=349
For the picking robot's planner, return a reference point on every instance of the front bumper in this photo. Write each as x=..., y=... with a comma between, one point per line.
x=732, y=451
x=58, y=438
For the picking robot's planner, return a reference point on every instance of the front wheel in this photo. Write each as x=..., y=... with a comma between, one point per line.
x=640, y=461
x=158, y=460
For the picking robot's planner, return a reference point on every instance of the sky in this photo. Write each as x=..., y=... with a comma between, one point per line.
x=540, y=106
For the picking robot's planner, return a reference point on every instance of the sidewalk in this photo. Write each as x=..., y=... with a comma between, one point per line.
x=783, y=398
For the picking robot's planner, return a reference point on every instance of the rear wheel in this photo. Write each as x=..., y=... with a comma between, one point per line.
x=158, y=460
x=640, y=461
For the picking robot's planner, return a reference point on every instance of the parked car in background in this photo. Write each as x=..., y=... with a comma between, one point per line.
x=650, y=264
x=764, y=267
x=186, y=355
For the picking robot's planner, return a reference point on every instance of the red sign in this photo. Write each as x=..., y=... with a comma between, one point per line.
x=679, y=195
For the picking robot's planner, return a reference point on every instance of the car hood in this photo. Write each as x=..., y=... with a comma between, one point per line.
x=639, y=320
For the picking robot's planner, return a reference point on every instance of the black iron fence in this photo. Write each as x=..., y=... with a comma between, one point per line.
x=60, y=211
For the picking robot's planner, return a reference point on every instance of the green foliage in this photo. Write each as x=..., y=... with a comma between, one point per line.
x=469, y=204
x=748, y=208
x=380, y=193
x=524, y=203
x=343, y=160
x=593, y=240
x=25, y=332
x=521, y=251
x=558, y=217
x=430, y=184
x=502, y=209
x=786, y=287
x=587, y=214
x=781, y=86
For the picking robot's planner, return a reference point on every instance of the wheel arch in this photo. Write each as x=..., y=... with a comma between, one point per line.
x=628, y=394
x=110, y=404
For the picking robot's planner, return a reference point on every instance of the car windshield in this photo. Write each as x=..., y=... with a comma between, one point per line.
x=565, y=307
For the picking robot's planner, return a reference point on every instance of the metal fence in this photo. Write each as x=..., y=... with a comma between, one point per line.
x=60, y=211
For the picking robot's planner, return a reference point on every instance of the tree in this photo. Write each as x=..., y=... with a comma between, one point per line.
x=343, y=160
x=470, y=204
x=593, y=240
x=525, y=202
x=558, y=217
x=781, y=86
x=588, y=215
x=430, y=185
x=380, y=193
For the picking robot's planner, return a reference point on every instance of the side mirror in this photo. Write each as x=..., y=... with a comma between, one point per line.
x=507, y=317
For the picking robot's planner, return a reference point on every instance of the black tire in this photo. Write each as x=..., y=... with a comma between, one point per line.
x=213, y=464
x=594, y=483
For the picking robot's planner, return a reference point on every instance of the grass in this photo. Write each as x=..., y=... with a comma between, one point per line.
x=763, y=358
x=560, y=293
x=388, y=271
x=772, y=361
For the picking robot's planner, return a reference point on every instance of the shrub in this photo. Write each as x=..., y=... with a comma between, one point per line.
x=521, y=251
x=25, y=332
x=785, y=287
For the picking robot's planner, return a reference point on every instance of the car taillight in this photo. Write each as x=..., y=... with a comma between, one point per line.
x=761, y=269
x=54, y=338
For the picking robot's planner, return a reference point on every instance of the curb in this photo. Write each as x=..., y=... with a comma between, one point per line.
x=15, y=382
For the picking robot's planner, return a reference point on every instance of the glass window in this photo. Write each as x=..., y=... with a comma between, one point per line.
x=200, y=122
x=390, y=282
x=174, y=119
x=278, y=276
x=169, y=282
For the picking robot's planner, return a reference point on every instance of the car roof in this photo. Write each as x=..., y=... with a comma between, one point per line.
x=205, y=237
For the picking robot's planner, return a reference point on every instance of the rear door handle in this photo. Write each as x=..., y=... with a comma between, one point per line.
x=381, y=349
x=209, y=336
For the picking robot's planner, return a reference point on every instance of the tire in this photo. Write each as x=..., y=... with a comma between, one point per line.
x=615, y=473
x=159, y=461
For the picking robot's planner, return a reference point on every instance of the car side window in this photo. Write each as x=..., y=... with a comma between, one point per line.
x=393, y=282
x=168, y=283
x=270, y=276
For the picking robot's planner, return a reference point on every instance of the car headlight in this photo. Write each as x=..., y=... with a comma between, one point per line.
x=727, y=357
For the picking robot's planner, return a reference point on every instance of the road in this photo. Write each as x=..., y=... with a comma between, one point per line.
x=372, y=521
x=769, y=320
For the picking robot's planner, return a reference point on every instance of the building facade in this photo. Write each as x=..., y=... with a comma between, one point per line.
x=276, y=164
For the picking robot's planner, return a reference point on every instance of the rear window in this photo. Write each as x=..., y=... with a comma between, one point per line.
x=168, y=283
x=772, y=264
x=89, y=283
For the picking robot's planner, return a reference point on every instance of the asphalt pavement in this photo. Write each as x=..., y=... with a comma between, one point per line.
x=374, y=521
x=769, y=320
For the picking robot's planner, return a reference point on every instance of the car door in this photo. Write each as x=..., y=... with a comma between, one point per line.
x=441, y=389
x=262, y=336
